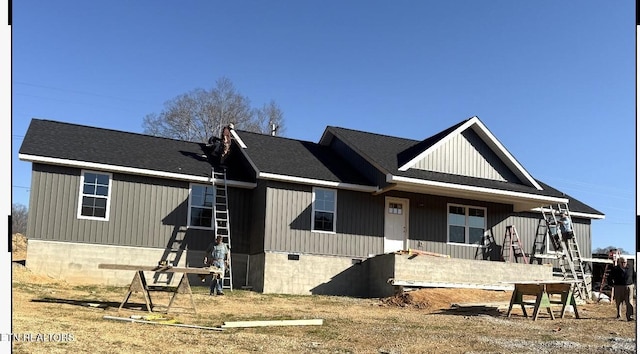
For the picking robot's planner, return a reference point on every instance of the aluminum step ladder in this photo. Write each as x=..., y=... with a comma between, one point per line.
x=221, y=219
x=512, y=245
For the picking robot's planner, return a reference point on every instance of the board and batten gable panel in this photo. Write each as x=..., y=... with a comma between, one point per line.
x=466, y=154
x=359, y=222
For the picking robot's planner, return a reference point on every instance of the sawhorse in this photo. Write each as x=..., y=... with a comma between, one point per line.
x=542, y=291
x=139, y=283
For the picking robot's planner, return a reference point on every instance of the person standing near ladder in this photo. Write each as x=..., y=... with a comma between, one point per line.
x=217, y=254
x=622, y=279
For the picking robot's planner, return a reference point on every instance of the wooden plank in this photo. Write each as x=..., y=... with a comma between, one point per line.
x=161, y=323
x=424, y=284
x=497, y=304
x=425, y=253
x=558, y=288
x=528, y=289
x=162, y=269
x=237, y=324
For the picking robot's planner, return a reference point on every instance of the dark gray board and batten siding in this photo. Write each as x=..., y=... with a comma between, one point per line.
x=360, y=224
x=144, y=212
x=467, y=155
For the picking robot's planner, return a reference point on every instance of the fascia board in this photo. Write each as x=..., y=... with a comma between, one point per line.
x=129, y=170
x=238, y=139
x=433, y=147
x=483, y=190
x=317, y=182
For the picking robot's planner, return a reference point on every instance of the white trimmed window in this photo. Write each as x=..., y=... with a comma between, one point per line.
x=466, y=224
x=201, y=206
x=323, y=214
x=95, y=195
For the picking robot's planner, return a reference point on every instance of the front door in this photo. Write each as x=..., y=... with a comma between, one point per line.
x=395, y=224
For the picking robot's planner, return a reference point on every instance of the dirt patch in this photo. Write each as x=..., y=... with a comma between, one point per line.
x=433, y=299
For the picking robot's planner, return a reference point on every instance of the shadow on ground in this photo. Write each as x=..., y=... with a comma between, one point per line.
x=472, y=311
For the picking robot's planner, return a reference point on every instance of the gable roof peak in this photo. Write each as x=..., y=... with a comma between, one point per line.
x=413, y=155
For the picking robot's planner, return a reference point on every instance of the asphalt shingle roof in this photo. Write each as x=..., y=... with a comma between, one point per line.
x=298, y=158
x=74, y=142
x=390, y=153
x=276, y=155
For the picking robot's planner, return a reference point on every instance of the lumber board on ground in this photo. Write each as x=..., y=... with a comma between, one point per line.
x=126, y=319
x=423, y=284
x=497, y=304
x=237, y=324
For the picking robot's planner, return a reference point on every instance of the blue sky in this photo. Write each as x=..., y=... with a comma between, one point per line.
x=552, y=80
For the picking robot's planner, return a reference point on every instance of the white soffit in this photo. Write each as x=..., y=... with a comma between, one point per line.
x=489, y=139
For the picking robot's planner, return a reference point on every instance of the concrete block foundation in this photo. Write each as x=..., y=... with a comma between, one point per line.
x=78, y=262
x=282, y=273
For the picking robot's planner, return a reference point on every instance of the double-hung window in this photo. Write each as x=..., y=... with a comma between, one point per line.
x=324, y=210
x=201, y=204
x=95, y=191
x=466, y=224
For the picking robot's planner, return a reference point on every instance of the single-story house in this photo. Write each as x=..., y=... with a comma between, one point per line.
x=305, y=217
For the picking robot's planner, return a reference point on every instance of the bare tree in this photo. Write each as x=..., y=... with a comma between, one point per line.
x=269, y=119
x=606, y=250
x=19, y=215
x=200, y=114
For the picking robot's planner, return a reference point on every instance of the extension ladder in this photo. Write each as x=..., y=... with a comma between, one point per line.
x=513, y=245
x=221, y=220
x=569, y=255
